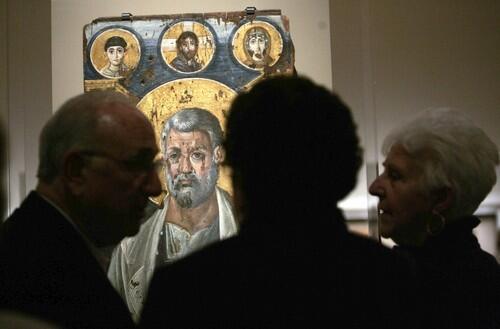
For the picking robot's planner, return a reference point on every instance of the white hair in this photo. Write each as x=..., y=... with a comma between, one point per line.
x=453, y=153
x=191, y=119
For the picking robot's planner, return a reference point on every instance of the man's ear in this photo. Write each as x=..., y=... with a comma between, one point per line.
x=219, y=154
x=73, y=172
x=443, y=200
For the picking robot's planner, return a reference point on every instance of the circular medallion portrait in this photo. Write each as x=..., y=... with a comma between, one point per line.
x=187, y=47
x=257, y=45
x=189, y=116
x=115, y=53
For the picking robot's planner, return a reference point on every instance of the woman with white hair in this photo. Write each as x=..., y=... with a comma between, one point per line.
x=439, y=167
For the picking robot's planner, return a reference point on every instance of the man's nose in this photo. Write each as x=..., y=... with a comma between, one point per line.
x=185, y=165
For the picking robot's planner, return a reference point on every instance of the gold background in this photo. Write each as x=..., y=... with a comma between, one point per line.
x=164, y=101
x=239, y=38
x=206, y=45
x=98, y=55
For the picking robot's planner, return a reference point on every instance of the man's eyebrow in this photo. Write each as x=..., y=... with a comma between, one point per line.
x=201, y=147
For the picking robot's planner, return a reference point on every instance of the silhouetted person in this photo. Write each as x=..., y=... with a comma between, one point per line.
x=294, y=153
x=95, y=174
x=439, y=167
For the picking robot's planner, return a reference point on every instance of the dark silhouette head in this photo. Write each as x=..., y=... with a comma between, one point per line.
x=293, y=149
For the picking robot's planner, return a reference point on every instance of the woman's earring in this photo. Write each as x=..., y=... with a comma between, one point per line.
x=436, y=224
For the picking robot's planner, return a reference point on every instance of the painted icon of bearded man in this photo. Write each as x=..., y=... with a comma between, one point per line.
x=187, y=49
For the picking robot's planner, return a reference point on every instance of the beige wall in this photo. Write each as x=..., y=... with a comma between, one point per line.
x=26, y=77
x=3, y=94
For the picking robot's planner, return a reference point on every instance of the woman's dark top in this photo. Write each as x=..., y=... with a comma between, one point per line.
x=459, y=282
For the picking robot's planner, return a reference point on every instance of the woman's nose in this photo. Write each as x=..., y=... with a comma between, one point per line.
x=376, y=188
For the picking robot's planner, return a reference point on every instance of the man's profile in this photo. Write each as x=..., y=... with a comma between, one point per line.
x=187, y=49
x=95, y=176
x=257, y=44
x=195, y=213
x=115, y=49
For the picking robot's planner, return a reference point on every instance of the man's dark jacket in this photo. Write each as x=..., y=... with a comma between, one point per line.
x=459, y=282
x=48, y=270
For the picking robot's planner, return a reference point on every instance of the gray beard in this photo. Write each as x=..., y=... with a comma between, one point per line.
x=198, y=192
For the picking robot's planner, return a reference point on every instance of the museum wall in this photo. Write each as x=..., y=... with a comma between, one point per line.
x=26, y=93
x=4, y=106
